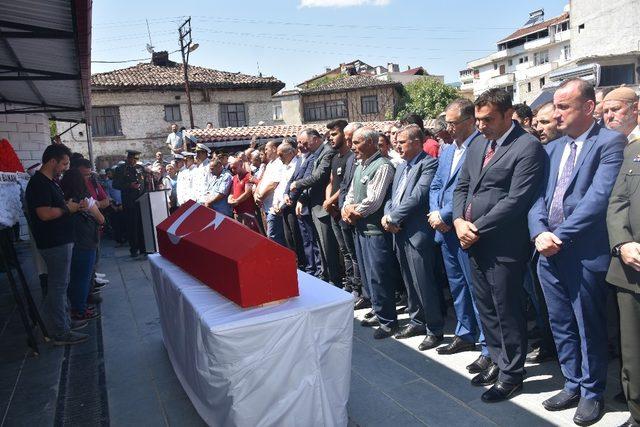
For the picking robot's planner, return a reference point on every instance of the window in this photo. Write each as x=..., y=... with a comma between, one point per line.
x=580, y=28
x=105, y=121
x=172, y=113
x=323, y=110
x=232, y=115
x=562, y=27
x=566, y=52
x=614, y=75
x=495, y=66
x=510, y=62
x=529, y=87
x=542, y=82
x=540, y=58
x=277, y=112
x=369, y=104
x=523, y=59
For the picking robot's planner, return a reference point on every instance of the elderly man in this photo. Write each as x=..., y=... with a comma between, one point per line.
x=364, y=209
x=620, y=112
x=287, y=154
x=569, y=228
x=404, y=216
x=459, y=116
x=546, y=124
x=217, y=188
x=314, y=188
x=498, y=182
x=623, y=223
x=263, y=194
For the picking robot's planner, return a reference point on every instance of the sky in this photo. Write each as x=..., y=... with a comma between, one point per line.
x=294, y=40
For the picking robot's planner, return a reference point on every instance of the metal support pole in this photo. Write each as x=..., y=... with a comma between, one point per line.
x=90, y=144
x=184, y=33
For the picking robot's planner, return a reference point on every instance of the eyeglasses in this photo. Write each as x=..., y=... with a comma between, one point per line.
x=454, y=124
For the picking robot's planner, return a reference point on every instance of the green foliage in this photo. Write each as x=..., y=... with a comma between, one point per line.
x=324, y=80
x=427, y=97
x=53, y=129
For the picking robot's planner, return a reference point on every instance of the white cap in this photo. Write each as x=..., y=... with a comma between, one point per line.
x=200, y=146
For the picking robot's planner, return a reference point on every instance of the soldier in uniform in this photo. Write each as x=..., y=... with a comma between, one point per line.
x=130, y=179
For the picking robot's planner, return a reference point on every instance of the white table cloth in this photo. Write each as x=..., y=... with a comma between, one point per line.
x=287, y=364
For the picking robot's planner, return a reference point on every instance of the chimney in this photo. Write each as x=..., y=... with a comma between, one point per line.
x=393, y=68
x=327, y=69
x=160, y=58
x=379, y=70
x=408, y=67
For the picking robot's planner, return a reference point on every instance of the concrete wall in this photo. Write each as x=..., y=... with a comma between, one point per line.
x=142, y=117
x=292, y=112
x=610, y=27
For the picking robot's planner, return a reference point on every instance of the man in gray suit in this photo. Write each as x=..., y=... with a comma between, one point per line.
x=313, y=189
x=406, y=217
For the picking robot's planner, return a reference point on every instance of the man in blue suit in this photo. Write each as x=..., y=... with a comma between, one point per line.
x=404, y=216
x=568, y=224
x=461, y=124
x=305, y=223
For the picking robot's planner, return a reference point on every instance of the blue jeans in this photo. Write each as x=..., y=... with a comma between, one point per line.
x=82, y=263
x=275, y=228
x=55, y=313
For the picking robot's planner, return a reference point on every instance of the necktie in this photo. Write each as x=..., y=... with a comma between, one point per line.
x=489, y=154
x=402, y=185
x=491, y=150
x=556, y=213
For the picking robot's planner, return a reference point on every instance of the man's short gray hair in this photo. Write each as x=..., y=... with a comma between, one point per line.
x=368, y=134
x=287, y=147
x=353, y=126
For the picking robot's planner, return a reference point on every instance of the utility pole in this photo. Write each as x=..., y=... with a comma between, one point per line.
x=186, y=46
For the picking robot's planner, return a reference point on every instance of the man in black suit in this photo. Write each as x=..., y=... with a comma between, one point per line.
x=313, y=189
x=498, y=183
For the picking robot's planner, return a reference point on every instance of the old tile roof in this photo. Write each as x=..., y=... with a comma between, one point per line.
x=418, y=71
x=171, y=76
x=360, y=81
x=535, y=28
x=264, y=132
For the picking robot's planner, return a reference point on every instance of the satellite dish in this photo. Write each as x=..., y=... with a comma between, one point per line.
x=150, y=48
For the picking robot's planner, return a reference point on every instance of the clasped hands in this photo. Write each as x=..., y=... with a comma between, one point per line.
x=467, y=232
x=350, y=215
x=548, y=244
x=388, y=225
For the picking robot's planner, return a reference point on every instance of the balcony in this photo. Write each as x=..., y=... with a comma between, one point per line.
x=502, y=80
x=466, y=76
x=538, y=43
x=466, y=87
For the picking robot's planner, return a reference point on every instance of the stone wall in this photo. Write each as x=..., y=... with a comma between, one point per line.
x=143, y=123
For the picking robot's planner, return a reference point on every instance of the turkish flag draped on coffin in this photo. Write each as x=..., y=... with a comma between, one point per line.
x=240, y=264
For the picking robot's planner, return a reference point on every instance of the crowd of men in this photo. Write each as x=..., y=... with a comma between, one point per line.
x=510, y=207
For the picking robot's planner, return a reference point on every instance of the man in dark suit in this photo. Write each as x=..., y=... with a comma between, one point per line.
x=404, y=216
x=305, y=223
x=460, y=120
x=313, y=189
x=569, y=227
x=498, y=183
x=623, y=222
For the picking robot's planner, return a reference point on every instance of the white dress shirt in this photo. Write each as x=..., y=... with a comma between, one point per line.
x=459, y=152
x=567, y=149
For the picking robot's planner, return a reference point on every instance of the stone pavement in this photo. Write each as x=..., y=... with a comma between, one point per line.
x=125, y=378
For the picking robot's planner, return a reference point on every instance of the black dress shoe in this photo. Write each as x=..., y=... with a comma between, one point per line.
x=501, y=391
x=430, y=341
x=479, y=365
x=384, y=332
x=361, y=303
x=456, y=346
x=541, y=355
x=409, y=331
x=369, y=314
x=372, y=321
x=563, y=400
x=486, y=377
x=589, y=411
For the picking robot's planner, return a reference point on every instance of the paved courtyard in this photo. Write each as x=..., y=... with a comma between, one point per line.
x=123, y=377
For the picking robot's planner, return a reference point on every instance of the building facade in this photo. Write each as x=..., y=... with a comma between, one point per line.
x=134, y=108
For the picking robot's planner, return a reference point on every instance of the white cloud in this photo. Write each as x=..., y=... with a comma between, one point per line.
x=342, y=3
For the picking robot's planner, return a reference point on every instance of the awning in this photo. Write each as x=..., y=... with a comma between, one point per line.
x=45, y=58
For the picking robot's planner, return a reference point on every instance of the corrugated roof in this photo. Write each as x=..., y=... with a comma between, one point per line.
x=171, y=76
x=45, y=57
x=535, y=28
x=340, y=84
x=265, y=132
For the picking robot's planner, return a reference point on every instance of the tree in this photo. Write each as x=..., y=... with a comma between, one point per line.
x=427, y=97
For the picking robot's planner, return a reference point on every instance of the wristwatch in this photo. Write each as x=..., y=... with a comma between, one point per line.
x=615, y=251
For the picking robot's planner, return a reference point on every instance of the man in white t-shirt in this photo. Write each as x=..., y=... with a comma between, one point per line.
x=264, y=192
x=175, y=140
